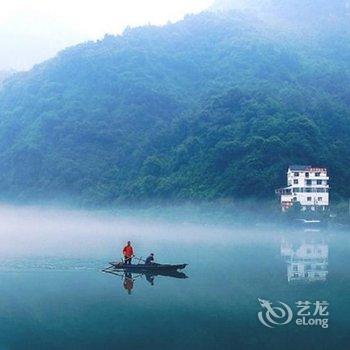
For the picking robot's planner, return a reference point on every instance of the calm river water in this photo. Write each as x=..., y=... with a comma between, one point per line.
x=246, y=287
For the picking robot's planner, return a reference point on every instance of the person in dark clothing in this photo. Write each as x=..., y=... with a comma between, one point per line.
x=150, y=279
x=150, y=259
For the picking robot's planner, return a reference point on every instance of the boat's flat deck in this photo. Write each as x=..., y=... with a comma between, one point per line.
x=147, y=267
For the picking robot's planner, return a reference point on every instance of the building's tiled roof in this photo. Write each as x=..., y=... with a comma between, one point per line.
x=299, y=167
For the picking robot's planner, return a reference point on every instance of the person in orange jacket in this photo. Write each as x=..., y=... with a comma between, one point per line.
x=128, y=253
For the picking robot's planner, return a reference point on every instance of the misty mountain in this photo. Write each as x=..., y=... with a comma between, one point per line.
x=5, y=74
x=306, y=17
x=299, y=9
x=216, y=105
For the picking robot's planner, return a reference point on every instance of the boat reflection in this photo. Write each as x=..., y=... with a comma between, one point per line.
x=307, y=260
x=129, y=278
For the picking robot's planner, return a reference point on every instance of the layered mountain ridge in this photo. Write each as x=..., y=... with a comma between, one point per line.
x=217, y=105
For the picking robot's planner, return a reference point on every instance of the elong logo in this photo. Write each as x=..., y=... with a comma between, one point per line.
x=282, y=314
x=274, y=315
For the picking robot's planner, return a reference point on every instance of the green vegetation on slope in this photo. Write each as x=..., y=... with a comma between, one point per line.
x=217, y=105
x=5, y=74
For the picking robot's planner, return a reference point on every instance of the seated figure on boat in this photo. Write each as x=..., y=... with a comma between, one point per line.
x=150, y=259
x=128, y=253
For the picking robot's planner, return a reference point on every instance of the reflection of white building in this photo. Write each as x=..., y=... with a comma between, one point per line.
x=306, y=262
x=306, y=185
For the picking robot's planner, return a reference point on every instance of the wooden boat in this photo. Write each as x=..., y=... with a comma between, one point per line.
x=146, y=267
x=149, y=274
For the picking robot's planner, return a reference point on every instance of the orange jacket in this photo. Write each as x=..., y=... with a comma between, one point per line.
x=128, y=251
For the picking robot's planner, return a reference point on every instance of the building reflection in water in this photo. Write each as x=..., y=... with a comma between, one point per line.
x=307, y=260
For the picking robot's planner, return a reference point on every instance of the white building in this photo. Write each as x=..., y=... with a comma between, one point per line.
x=306, y=185
x=307, y=262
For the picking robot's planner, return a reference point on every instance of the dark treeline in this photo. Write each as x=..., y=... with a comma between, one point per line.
x=215, y=106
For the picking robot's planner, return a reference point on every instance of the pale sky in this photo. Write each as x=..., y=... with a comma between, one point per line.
x=34, y=30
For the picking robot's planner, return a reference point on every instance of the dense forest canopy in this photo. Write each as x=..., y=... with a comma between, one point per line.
x=5, y=74
x=217, y=105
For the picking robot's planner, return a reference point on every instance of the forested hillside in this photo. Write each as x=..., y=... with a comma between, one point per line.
x=4, y=74
x=216, y=105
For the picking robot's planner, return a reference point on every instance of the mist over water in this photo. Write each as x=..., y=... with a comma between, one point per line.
x=40, y=231
x=54, y=295
x=36, y=231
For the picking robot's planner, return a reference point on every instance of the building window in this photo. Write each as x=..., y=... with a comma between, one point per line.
x=308, y=251
x=319, y=182
x=296, y=174
x=317, y=174
x=307, y=174
x=309, y=199
x=308, y=182
x=295, y=267
x=319, y=199
x=295, y=181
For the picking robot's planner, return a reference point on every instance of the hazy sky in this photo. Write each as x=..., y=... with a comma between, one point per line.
x=34, y=30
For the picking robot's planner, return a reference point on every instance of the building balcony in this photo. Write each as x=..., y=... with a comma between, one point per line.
x=313, y=177
x=284, y=191
x=294, y=186
x=297, y=190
